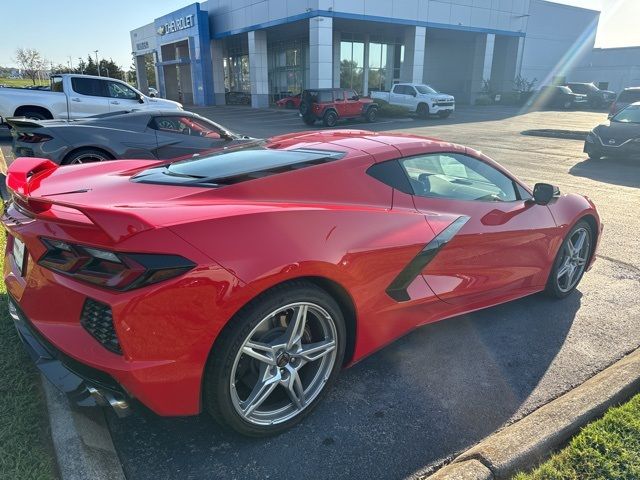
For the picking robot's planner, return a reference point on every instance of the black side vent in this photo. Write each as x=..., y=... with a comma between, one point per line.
x=97, y=319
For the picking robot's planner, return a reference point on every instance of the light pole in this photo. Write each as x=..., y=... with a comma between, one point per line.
x=97, y=63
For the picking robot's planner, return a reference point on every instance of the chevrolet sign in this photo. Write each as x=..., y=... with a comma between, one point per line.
x=176, y=25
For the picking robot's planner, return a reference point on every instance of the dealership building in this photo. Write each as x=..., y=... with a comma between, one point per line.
x=258, y=51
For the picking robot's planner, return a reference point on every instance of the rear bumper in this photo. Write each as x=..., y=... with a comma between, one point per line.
x=85, y=386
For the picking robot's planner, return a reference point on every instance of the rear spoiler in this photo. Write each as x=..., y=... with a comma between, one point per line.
x=22, y=122
x=24, y=173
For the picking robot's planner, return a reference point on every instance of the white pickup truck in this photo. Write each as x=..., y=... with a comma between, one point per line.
x=76, y=96
x=420, y=99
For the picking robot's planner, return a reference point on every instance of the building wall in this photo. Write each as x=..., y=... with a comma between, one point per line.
x=558, y=37
x=619, y=67
x=234, y=16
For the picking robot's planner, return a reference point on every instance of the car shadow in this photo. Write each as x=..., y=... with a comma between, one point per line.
x=434, y=392
x=618, y=171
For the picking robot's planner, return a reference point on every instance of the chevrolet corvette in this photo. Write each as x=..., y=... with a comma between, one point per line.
x=240, y=283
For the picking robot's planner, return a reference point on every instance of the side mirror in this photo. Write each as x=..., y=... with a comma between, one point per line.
x=140, y=98
x=543, y=193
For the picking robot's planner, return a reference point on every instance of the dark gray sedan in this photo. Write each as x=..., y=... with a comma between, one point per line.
x=137, y=134
x=620, y=137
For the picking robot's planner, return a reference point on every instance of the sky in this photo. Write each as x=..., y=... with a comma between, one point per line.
x=64, y=28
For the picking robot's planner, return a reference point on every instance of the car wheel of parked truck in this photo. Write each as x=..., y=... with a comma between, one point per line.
x=423, y=110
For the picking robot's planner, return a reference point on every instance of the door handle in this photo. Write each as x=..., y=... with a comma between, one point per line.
x=115, y=102
x=75, y=99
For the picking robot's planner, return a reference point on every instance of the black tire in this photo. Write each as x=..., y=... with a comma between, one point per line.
x=87, y=155
x=330, y=119
x=35, y=115
x=444, y=113
x=371, y=115
x=304, y=109
x=217, y=393
x=422, y=110
x=594, y=156
x=553, y=287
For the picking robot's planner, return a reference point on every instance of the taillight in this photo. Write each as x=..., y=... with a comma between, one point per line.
x=114, y=270
x=26, y=137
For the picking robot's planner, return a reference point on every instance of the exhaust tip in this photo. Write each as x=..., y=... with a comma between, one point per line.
x=107, y=399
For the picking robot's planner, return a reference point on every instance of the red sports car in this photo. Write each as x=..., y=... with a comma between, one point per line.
x=292, y=101
x=240, y=283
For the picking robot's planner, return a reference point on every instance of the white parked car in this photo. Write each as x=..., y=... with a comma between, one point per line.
x=420, y=99
x=77, y=96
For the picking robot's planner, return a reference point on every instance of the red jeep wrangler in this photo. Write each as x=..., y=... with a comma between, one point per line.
x=332, y=104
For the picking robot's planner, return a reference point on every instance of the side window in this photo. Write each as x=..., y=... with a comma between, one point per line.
x=88, y=86
x=56, y=84
x=401, y=89
x=456, y=176
x=186, y=126
x=338, y=95
x=351, y=95
x=410, y=90
x=118, y=90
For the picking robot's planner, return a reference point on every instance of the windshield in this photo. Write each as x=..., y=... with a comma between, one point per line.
x=631, y=114
x=425, y=89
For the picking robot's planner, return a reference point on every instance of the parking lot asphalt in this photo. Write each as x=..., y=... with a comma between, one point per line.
x=445, y=386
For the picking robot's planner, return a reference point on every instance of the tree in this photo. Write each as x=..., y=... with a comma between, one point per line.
x=31, y=62
x=149, y=66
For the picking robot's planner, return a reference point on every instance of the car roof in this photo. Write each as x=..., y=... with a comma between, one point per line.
x=381, y=145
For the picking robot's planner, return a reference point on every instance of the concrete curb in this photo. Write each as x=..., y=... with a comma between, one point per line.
x=551, y=133
x=528, y=441
x=81, y=440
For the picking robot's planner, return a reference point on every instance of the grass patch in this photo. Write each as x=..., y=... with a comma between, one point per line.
x=606, y=449
x=25, y=440
x=20, y=82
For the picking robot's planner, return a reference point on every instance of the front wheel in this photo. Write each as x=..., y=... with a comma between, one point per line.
x=571, y=261
x=277, y=359
x=423, y=110
x=444, y=113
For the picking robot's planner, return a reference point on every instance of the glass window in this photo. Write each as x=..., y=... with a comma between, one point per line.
x=629, y=96
x=186, y=126
x=351, y=63
x=351, y=95
x=118, y=90
x=451, y=175
x=631, y=114
x=56, y=84
x=88, y=86
x=425, y=89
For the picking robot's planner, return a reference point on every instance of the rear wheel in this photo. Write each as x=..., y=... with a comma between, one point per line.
x=86, y=155
x=273, y=365
x=571, y=261
x=330, y=119
x=35, y=115
x=423, y=110
x=371, y=115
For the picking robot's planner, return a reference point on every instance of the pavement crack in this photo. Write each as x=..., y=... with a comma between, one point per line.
x=619, y=262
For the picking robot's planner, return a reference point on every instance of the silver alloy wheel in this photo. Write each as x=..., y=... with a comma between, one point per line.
x=574, y=260
x=88, y=158
x=294, y=348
